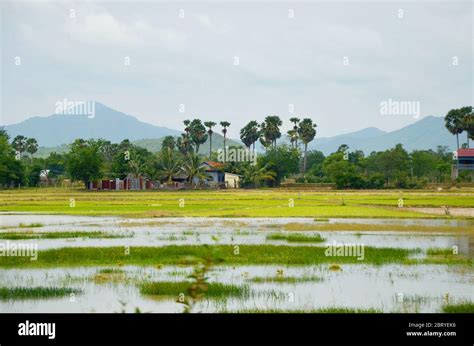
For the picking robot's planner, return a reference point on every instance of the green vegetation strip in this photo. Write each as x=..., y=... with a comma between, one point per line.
x=238, y=203
x=18, y=293
x=214, y=289
x=296, y=238
x=464, y=307
x=296, y=226
x=190, y=254
x=285, y=279
x=329, y=310
x=59, y=235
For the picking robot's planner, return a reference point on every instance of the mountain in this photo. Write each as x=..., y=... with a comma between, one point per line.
x=426, y=133
x=54, y=132
x=107, y=123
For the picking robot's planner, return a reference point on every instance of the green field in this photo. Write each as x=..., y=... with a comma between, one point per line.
x=234, y=203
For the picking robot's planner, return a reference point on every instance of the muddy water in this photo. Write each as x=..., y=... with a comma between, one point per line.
x=392, y=288
x=238, y=231
x=388, y=288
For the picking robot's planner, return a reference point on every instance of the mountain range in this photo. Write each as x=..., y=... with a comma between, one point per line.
x=426, y=133
x=56, y=131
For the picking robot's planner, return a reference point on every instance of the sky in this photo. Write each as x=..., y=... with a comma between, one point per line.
x=336, y=62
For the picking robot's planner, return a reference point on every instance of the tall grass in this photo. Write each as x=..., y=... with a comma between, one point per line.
x=174, y=289
x=190, y=254
x=19, y=293
x=462, y=307
x=60, y=235
x=296, y=238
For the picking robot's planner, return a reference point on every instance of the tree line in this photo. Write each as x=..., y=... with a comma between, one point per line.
x=92, y=159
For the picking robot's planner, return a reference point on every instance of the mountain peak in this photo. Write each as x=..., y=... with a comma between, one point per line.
x=89, y=120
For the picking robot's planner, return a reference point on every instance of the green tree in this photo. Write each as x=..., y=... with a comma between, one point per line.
x=294, y=131
x=84, y=161
x=19, y=143
x=270, y=129
x=193, y=169
x=253, y=175
x=282, y=160
x=306, y=132
x=168, y=164
x=168, y=142
x=225, y=125
x=31, y=146
x=454, y=123
x=11, y=170
x=424, y=163
x=210, y=125
x=184, y=144
x=315, y=159
x=467, y=116
x=198, y=134
x=250, y=133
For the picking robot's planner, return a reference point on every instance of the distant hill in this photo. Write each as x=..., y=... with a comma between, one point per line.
x=58, y=129
x=427, y=133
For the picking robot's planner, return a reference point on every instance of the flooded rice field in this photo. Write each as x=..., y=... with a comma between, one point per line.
x=394, y=286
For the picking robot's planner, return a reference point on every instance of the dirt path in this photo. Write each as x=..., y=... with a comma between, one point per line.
x=467, y=212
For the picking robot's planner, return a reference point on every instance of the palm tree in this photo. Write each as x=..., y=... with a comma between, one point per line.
x=307, y=132
x=210, y=125
x=252, y=175
x=31, y=146
x=250, y=133
x=293, y=136
x=295, y=122
x=454, y=123
x=192, y=167
x=168, y=163
x=197, y=132
x=225, y=125
x=19, y=143
x=168, y=142
x=136, y=167
x=467, y=115
x=271, y=129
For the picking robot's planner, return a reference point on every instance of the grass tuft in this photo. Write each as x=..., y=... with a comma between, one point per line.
x=174, y=289
x=20, y=293
x=296, y=238
x=463, y=307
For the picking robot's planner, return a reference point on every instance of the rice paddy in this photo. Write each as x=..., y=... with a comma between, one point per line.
x=134, y=251
x=237, y=203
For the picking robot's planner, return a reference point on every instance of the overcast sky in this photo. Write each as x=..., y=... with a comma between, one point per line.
x=334, y=61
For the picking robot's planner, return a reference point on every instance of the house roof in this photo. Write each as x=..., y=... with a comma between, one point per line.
x=213, y=165
x=466, y=152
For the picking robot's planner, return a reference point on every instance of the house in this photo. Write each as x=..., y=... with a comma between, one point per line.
x=217, y=177
x=231, y=180
x=44, y=177
x=464, y=161
x=214, y=172
x=129, y=183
